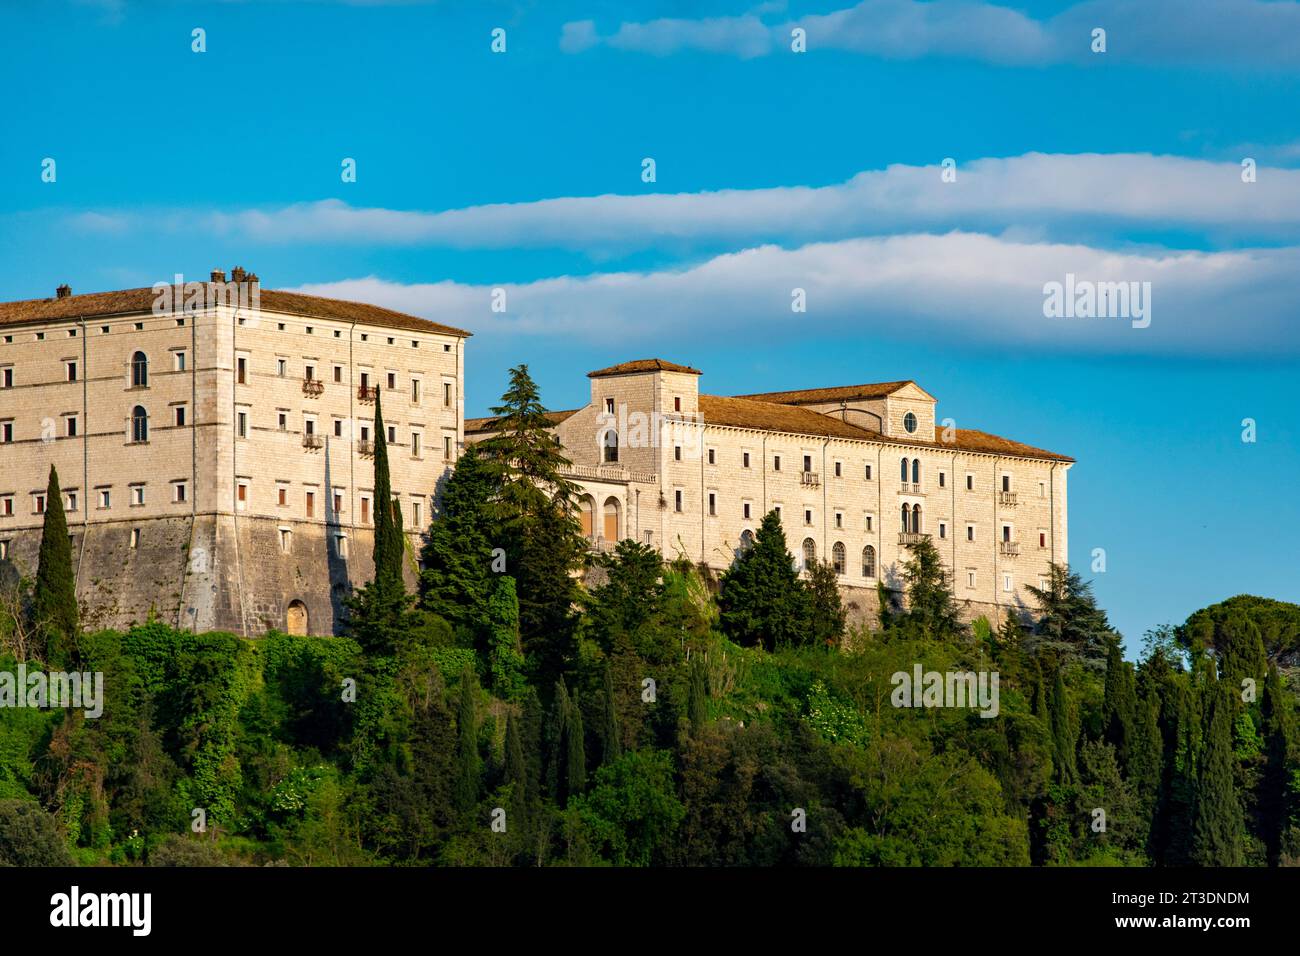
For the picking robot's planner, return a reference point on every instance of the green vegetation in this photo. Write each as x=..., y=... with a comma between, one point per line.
x=509, y=714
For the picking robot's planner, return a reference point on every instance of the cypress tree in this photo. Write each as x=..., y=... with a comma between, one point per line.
x=697, y=706
x=54, y=600
x=1146, y=762
x=469, y=766
x=516, y=775
x=531, y=739
x=613, y=745
x=1218, y=822
x=1119, y=706
x=576, y=749
x=1063, y=740
x=556, y=742
x=1274, y=802
x=388, y=533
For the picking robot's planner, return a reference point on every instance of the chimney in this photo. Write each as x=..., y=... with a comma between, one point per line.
x=253, y=279
x=218, y=275
x=237, y=274
x=63, y=291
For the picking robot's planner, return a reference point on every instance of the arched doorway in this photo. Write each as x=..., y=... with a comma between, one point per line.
x=587, y=515
x=296, y=619
x=611, y=519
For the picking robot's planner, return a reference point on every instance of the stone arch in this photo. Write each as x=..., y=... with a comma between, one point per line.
x=295, y=618
x=611, y=515
x=587, y=515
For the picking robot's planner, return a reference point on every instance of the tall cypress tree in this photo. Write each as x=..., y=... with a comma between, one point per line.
x=1146, y=762
x=516, y=775
x=1063, y=739
x=1119, y=706
x=54, y=604
x=557, y=725
x=1274, y=794
x=469, y=766
x=531, y=738
x=1218, y=823
x=610, y=737
x=697, y=708
x=388, y=534
x=576, y=748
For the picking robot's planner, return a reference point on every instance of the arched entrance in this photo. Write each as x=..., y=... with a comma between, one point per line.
x=611, y=519
x=587, y=515
x=296, y=619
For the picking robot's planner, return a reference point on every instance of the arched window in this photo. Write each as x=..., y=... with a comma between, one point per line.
x=916, y=519
x=586, y=515
x=139, y=370
x=809, y=552
x=746, y=540
x=916, y=471
x=139, y=424
x=610, y=446
x=869, y=562
x=611, y=519
x=838, y=557
x=904, y=470
x=907, y=518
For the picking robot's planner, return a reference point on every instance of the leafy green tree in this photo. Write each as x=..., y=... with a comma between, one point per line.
x=1064, y=737
x=1069, y=623
x=29, y=836
x=505, y=658
x=1218, y=823
x=469, y=766
x=763, y=601
x=632, y=812
x=826, y=610
x=633, y=594
x=54, y=600
x=929, y=602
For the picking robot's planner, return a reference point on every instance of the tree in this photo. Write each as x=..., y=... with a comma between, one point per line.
x=1063, y=735
x=611, y=742
x=505, y=659
x=633, y=593
x=929, y=602
x=469, y=766
x=698, y=706
x=388, y=549
x=576, y=749
x=29, y=836
x=827, y=617
x=456, y=582
x=54, y=599
x=1218, y=822
x=763, y=601
x=1119, y=706
x=1070, y=624
x=1274, y=793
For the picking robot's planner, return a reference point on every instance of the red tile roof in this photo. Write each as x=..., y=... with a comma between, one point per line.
x=838, y=393
x=134, y=301
x=475, y=426
x=644, y=365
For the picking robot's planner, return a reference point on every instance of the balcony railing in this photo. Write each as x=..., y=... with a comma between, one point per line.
x=365, y=447
x=313, y=441
x=367, y=393
x=911, y=537
x=1007, y=498
x=312, y=387
x=810, y=479
x=909, y=488
x=1009, y=549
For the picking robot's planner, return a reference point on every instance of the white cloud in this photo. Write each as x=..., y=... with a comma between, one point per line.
x=962, y=287
x=1249, y=33
x=1049, y=195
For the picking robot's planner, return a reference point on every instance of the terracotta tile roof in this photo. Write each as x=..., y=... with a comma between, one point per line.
x=792, y=419
x=644, y=365
x=129, y=301
x=839, y=393
x=475, y=426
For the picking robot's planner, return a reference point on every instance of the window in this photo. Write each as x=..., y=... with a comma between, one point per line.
x=392, y=434
x=970, y=532
x=4, y=550
x=282, y=367
x=916, y=471
x=446, y=448
x=6, y=433
x=105, y=497
x=807, y=516
x=943, y=530
x=241, y=370
x=870, y=523
x=677, y=500
x=970, y=578
x=38, y=504
x=1042, y=489
x=809, y=552
x=677, y=453
x=807, y=462
x=309, y=372
x=392, y=381
x=7, y=377
x=609, y=446
x=139, y=370
x=744, y=460
x=139, y=424
x=286, y=539
x=446, y=394
x=415, y=391
x=1006, y=583
x=137, y=495
x=71, y=426
x=909, y=422
x=869, y=562
x=415, y=444
x=7, y=506
x=338, y=373
x=839, y=469
x=970, y=482
x=776, y=462
x=338, y=502
x=943, y=479
x=744, y=511
x=71, y=370
x=1042, y=539
x=712, y=457
x=282, y=421
x=135, y=538
x=903, y=471
x=341, y=545
x=311, y=504
x=838, y=557
x=677, y=403
x=338, y=428
x=609, y=406
x=181, y=492
x=839, y=519
x=365, y=509
x=281, y=496
x=241, y=495
x=868, y=472
x=416, y=513
x=777, y=509
x=241, y=424
x=1006, y=482
x=178, y=361
x=713, y=503
x=71, y=501
x=179, y=416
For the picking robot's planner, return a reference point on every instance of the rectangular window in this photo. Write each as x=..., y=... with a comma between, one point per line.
x=744, y=511
x=1006, y=583
x=178, y=361
x=1006, y=534
x=179, y=419
x=415, y=444
x=870, y=522
x=6, y=433
x=241, y=370
x=282, y=421
x=943, y=479
x=282, y=367
x=341, y=545
x=181, y=493
x=7, y=506
x=839, y=469
x=38, y=504
x=446, y=448
x=807, y=462
x=6, y=377
x=137, y=495
x=1042, y=539
x=338, y=428
x=943, y=530
x=868, y=472
x=309, y=426
x=744, y=462
x=712, y=457
x=677, y=452
x=286, y=539
x=309, y=372
x=241, y=424
x=970, y=579
x=392, y=381
x=416, y=514
x=1006, y=482
x=105, y=498
x=807, y=516
x=135, y=538
x=1042, y=489
x=241, y=496
x=282, y=496
x=677, y=403
x=71, y=501
x=713, y=503
x=4, y=550
x=970, y=482
x=446, y=394
x=776, y=462
x=609, y=406
x=392, y=434
x=365, y=510
x=839, y=519
x=677, y=500
x=415, y=391
x=72, y=371
x=72, y=426
x=338, y=502
x=970, y=532
x=311, y=504
x=338, y=374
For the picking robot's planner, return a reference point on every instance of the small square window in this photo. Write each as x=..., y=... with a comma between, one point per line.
x=105, y=498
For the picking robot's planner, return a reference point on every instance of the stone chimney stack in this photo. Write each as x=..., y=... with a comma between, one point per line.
x=218, y=275
x=238, y=274
x=63, y=291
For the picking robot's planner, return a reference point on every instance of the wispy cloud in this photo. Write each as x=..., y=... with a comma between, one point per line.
x=957, y=287
x=1241, y=33
x=1056, y=196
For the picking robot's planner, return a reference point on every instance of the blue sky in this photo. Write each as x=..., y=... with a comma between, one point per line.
x=774, y=170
